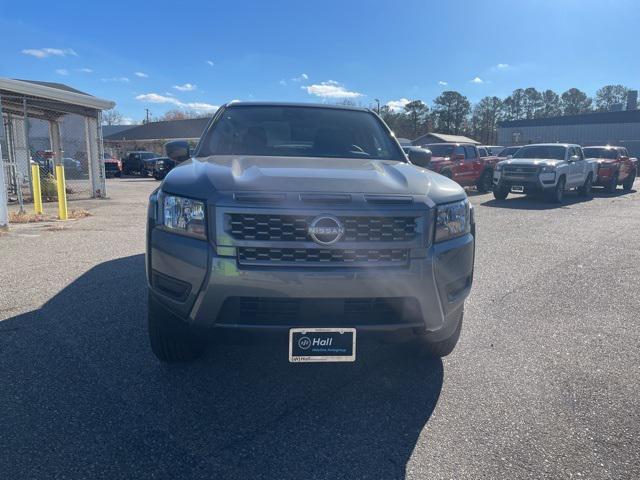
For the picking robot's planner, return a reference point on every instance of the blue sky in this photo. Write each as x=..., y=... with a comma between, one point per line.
x=162, y=55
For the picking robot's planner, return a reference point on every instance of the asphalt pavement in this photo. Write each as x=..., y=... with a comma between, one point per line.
x=545, y=382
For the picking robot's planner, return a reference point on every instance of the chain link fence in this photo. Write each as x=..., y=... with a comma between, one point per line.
x=49, y=133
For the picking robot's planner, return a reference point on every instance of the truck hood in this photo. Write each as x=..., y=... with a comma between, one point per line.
x=531, y=161
x=202, y=177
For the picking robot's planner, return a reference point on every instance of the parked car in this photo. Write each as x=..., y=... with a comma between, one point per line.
x=493, y=149
x=112, y=166
x=418, y=155
x=509, y=152
x=72, y=167
x=162, y=166
x=319, y=228
x=463, y=163
x=615, y=167
x=547, y=168
x=133, y=162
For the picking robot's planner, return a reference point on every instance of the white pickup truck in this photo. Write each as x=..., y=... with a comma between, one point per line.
x=548, y=168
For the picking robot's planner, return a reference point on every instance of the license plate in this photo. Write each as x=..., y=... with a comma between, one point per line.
x=517, y=188
x=322, y=345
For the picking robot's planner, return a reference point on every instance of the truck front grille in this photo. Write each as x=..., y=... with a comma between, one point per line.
x=294, y=228
x=323, y=256
x=520, y=171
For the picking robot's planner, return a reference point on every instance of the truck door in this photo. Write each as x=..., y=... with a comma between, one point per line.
x=470, y=167
x=458, y=160
x=576, y=169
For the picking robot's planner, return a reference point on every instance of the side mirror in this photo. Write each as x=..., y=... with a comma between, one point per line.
x=178, y=150
x=421, y=157
x=573, y=158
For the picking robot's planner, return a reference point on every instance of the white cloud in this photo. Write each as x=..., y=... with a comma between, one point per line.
x=49, y=52
x=163, y=99
x=443, y=83
x=283, y=82
x=141, y=74
x=477, y=80
x=398, y=105
x=85, y=70
x=62, y=71
x=210, y=63
x=502, y=66
x=116, y=79
x=303, y=76
x=187, y=87
x=330, y=89
x=126, y=121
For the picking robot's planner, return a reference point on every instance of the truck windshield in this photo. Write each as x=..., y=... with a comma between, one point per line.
x=440, y=150
x=597, y=152
x=549, y=152
x=301, y=132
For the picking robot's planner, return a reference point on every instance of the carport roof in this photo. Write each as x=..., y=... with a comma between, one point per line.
x=168, y=130
x=57, y=92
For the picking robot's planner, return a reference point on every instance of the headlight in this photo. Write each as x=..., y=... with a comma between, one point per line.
x=184, y=215
x=160, y=163
x=547, y=169
x=452, y=220
x=498, y=167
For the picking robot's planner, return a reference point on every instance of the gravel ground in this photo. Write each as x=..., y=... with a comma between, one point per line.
x=544, y=382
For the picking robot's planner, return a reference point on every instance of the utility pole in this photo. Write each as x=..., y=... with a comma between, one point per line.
x=378, y=102
x=4, y=213
x=148, y=112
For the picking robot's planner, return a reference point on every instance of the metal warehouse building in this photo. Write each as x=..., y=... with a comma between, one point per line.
x=599, y=128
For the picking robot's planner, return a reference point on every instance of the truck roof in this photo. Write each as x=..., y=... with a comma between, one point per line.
x=236, y=103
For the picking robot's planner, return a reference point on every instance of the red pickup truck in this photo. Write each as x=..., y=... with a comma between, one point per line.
x=614, y=166
x=464, y=163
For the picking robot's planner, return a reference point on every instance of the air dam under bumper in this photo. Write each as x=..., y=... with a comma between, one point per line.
x=437, y=284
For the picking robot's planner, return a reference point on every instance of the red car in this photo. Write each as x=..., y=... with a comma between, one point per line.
x=464, y=163
x=614, y=166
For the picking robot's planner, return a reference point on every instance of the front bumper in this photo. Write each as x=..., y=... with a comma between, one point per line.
x=190, y=279
x=531, y=183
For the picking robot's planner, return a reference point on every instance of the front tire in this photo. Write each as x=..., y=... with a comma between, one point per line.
x=500, y=193
x=627, y=185
x=556, y=195
x=486, y=181
x=442, y=348
x=171, y=339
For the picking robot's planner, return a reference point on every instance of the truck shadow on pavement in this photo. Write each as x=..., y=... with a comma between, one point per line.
x=83, y=397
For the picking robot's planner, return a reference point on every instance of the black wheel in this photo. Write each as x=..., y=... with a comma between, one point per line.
x=628, y=182
x=556, y=195
x=500, y=193
x=172, y=340
x=586, y=189
x=612, y=184
x=486, y=181
x=446, y=173
x=442, y=348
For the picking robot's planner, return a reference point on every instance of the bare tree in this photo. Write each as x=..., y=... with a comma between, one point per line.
x=111, y=117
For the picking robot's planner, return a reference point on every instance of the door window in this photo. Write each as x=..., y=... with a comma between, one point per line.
x=471, y=152
x=458, y=151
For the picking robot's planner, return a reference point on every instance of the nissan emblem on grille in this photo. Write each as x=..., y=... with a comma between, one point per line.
x=326, y=230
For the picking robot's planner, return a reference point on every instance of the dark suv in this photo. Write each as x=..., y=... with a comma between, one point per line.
x=307, y=220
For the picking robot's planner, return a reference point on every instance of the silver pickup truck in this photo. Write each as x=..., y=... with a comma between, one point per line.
x=307, y=220
x=547, y=168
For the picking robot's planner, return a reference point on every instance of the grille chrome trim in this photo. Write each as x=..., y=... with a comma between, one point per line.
x=261, y=227
x=320, y=257
x=520, y=171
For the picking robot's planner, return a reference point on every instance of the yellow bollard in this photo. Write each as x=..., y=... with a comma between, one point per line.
x=37, y=191
x=62, y=193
